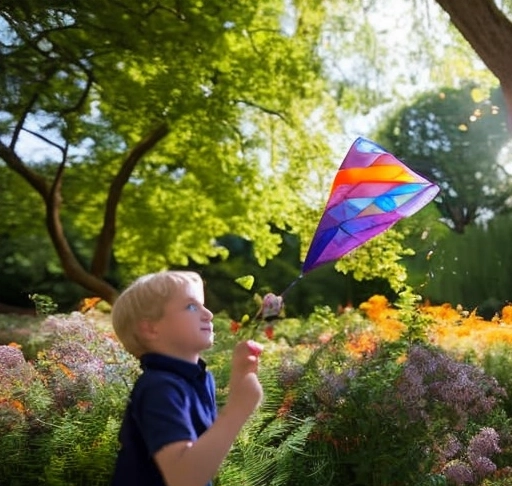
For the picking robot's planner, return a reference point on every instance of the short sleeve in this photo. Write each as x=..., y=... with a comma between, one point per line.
x=162, y=412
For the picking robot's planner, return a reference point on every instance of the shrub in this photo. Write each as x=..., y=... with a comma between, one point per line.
x=60, y=412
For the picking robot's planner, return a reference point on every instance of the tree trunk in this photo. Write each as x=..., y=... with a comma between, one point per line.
x=489, y=32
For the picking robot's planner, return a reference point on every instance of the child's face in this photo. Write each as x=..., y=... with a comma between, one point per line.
x=185, y=328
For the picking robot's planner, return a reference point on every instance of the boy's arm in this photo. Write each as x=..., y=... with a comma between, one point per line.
x=189, y=463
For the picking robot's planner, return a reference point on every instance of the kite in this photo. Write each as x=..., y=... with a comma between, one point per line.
x=371, y=191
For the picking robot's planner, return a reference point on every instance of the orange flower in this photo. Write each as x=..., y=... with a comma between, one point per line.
x=362, y=344
x=288, y=400
x=390, y=329
x=374, y=306
x=269, y=331
x=88, y=304
x=444, y=312
x=506, y=314
x=473, y=318
x=15, y=345
x=66, y=371
x=377, y=308
x=235, y=326
x=501, y=334
x=18, y=405
x=13, y=404
x=84, y=405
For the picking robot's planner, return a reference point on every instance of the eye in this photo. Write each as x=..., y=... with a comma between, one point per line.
x=192, y=307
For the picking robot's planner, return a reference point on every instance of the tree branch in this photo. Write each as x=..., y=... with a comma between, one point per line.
x=73, y=269
x=21, y=121
x=44, y=139
x=85, y=93
x=269, y=111
x=52, y=199
x=106, y=237
x=14, y=162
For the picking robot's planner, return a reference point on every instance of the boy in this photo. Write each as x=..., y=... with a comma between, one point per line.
x=171, y=434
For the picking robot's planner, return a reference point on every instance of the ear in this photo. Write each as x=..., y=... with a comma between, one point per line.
x=147, y=330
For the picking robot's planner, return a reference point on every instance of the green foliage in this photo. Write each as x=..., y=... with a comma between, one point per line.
x=306, y=331
x=234, y=89
x=246, y=281
x=240, y=95
x=387, y=415
x=324, y=286
x=497, y=362
x=415, y=321
x=379, y=257
x=44, y=304
x=380, y=429
x=83, y=448
x=29, y=265
x=474, y=269
x=266, y=453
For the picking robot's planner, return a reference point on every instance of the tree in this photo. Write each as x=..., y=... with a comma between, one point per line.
x=488, y=29
x=142, y=126
x=454, y=141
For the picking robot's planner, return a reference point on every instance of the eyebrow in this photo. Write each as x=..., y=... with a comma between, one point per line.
x=191, y=300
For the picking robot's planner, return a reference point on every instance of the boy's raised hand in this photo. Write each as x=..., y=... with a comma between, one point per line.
x=245, y=390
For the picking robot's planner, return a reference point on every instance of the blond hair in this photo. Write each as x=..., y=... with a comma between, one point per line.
x=145, y=299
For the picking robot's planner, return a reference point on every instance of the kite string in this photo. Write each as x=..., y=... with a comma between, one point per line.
x=291, y=285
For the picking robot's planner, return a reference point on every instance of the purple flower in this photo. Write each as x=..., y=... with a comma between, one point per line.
x=14, y=370
x=480, y=448
x=75, y=326
x=78, y=359
x=432, y=383
x=331, y=387
x=458, y=472
x=450, y=448
x=289, y=374
x=10, y=357
x=484, y=444
x=483, y=466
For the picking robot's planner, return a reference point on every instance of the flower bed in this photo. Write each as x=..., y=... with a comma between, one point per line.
x=381, y=395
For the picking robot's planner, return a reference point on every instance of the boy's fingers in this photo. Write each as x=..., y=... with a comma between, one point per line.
x=254, y=348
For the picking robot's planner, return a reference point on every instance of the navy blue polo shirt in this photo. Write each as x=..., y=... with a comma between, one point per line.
x=173, y=400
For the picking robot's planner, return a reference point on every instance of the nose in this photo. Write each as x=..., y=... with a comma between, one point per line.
x=207, y=314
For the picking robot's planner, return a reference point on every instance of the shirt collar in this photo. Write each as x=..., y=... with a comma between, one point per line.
x=181, y=367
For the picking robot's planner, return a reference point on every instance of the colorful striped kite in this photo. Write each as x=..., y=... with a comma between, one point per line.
x=372, y=190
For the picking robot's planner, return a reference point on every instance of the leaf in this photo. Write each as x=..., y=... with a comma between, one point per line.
x=246, y=282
